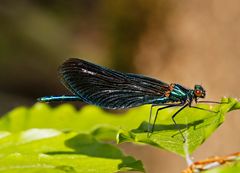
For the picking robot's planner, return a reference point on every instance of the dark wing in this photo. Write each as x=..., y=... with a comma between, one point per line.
x=108, y=88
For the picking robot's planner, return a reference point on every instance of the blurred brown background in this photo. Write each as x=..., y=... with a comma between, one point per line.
x=186, y=42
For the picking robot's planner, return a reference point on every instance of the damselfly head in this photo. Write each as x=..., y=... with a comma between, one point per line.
x=199, y=92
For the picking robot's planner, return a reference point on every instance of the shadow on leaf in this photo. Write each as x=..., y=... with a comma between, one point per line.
x=143, y=128
x=85, y=144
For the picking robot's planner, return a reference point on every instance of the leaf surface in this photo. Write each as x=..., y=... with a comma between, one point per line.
x=49, y=150
x=197, y=125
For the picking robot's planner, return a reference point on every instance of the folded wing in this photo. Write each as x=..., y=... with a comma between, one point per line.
x=108, y=88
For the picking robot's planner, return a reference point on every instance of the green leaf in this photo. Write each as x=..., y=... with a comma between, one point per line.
x=197, y=125
x=88, y=154
x=92, y=119
x=49, y=150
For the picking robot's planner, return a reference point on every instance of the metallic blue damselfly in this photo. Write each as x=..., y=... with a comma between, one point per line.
x=111, y=89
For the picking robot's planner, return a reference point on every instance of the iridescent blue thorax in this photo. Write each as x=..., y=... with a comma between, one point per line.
x=179, y=93
x=176, y=93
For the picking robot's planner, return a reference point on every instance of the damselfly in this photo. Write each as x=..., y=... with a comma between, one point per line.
x=111, y=89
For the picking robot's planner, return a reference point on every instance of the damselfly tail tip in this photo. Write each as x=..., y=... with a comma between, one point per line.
x=41, y=99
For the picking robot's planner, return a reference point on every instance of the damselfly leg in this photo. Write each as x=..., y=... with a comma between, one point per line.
x=195, y=107
x=206, y=102
x=149, y=120
x=211, y=102
x=174, y=115
x=184, y=105
x=151, y=128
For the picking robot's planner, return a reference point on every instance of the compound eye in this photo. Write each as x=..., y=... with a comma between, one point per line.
x=198, y=93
